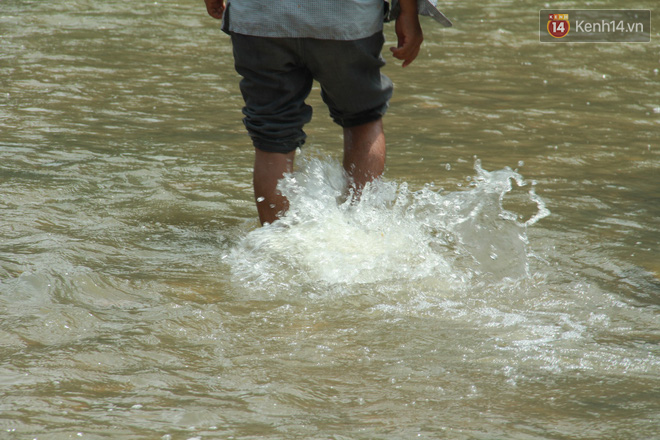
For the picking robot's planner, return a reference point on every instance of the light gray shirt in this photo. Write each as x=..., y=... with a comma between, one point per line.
x=319, y=19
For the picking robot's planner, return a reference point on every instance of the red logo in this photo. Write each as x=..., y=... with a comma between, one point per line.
x=558, y=25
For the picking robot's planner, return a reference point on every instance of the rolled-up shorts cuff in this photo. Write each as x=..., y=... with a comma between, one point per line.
x=281, y=146
x=360, y=119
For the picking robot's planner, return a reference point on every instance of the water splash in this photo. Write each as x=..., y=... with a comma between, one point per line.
x=392, y=234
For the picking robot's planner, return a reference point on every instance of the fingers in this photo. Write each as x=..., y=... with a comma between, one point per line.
x=407, y=53
x=215, y=8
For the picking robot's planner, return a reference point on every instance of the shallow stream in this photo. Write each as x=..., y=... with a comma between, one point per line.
x=501, y=282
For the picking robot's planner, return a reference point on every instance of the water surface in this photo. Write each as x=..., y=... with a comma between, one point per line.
x=502, y=281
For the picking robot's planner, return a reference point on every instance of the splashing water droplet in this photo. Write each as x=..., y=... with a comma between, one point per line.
x=391, y=235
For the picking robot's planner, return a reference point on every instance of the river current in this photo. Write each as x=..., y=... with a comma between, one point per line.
x=502, y=281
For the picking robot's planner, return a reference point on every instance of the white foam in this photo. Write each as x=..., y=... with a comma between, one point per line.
x=390, y=235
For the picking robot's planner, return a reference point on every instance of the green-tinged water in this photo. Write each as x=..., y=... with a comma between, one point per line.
x=501, y=282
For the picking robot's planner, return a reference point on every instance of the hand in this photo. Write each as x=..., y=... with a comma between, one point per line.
x=410, y=37
x=215, y=8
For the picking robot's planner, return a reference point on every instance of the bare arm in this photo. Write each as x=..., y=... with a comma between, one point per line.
x=409, y=33
x=215, y=8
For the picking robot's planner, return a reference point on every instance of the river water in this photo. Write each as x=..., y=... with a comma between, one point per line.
x=501, y=281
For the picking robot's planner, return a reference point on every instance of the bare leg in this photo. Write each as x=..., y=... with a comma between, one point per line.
x=364, y=160
x=364, y=152
x=268, y=169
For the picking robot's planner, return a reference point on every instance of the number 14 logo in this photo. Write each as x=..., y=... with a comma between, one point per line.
x=558, y=25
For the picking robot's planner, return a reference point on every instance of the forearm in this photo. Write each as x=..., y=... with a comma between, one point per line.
x=408, y=31
x=408, y=6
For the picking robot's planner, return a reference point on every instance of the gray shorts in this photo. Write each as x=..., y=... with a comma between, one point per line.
x=277, y=78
